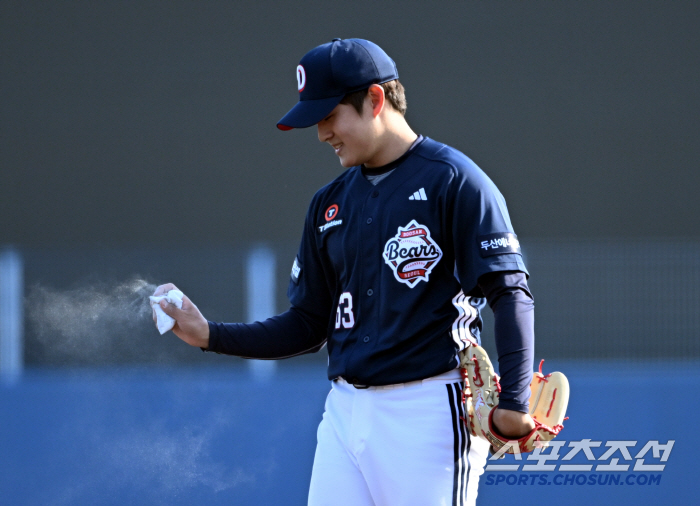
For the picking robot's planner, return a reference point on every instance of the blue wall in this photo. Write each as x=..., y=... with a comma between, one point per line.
x=214, y=436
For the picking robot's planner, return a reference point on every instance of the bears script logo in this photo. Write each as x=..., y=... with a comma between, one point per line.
x=412, y=254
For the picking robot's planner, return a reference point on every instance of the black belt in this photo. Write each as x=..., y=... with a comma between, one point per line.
x=356, y=385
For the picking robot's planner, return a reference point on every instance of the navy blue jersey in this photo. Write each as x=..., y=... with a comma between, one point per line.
x=391, y=270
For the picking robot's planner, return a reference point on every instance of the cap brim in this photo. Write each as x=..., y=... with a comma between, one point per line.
x=307, y=113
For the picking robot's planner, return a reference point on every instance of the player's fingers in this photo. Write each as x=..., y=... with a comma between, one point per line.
x=187, y=303
x=170, y=309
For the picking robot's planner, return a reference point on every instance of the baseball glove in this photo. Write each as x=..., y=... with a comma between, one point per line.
x=549, y=398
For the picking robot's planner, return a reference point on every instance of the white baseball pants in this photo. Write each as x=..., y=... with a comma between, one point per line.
x=398, y=445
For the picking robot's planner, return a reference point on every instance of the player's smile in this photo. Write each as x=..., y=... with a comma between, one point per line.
x=347, y=133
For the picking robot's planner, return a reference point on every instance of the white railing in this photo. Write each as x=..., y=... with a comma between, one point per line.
x=260, y=299
x=11, y=314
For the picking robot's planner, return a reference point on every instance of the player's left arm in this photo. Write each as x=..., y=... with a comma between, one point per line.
x=513, y=306
x=489, y=263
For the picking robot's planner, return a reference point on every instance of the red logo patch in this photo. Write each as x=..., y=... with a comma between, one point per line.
x=331, y=212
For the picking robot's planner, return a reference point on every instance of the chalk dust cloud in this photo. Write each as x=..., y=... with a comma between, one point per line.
x=92, y=321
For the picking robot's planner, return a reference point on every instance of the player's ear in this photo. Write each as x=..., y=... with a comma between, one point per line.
x=377, y=99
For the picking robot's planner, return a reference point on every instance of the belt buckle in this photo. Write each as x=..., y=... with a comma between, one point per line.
x=359, y=387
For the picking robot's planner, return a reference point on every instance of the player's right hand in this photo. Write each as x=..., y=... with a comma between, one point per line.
x=512, y=424
x=190, y=325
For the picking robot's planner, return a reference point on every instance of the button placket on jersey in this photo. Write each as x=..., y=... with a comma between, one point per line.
x=370, y=261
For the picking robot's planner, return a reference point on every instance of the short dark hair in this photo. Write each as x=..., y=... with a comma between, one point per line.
x=393, y=91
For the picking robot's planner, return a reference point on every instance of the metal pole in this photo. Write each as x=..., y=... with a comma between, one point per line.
x=11, y=315
x=260, y=277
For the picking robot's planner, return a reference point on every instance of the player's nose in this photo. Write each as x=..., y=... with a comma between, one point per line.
x=324, y=133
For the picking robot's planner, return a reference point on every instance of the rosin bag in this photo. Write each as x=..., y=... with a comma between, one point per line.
x=165, y=322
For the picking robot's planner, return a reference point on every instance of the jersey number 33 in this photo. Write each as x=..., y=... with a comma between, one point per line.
x=344, y=316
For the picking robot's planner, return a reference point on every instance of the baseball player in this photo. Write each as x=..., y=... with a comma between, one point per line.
x=398, y=256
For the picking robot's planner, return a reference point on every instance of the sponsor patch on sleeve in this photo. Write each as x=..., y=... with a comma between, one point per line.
x=498, y=244
x=296, y=270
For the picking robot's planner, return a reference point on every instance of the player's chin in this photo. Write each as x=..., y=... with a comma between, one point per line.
x=348, y=159
x=347, y=162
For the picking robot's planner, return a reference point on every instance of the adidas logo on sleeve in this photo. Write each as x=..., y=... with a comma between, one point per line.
x=419, y=195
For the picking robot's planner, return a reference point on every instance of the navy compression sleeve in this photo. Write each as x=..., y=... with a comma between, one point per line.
x=286, y=335
x=514, y=312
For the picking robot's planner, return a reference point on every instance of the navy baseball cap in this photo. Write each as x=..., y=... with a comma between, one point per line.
x=330, y=71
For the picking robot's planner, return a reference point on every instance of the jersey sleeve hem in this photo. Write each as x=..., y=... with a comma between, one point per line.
x=515, y=265
x=514, y=406
x=214, y=341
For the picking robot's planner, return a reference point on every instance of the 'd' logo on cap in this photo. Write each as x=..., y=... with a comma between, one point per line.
x=301, y=78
